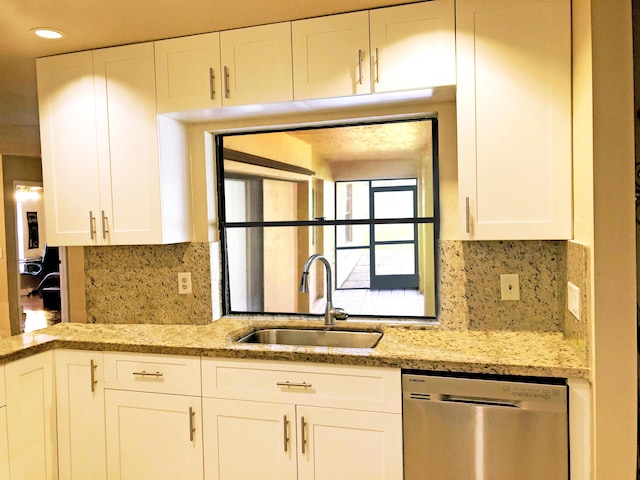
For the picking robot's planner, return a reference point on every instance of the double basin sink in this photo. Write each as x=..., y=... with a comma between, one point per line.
x=313, y=337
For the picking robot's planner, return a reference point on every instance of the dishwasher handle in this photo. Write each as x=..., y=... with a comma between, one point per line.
x=480, y=402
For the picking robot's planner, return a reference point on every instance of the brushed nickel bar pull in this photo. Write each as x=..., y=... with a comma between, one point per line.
x=360, y=52
x=294, y=384
x=302, y=434
x=192, y=424
x=212, y=83
x=144, y=373
x=377, y=66
x=226, y=82
x=105, y=225
x=467, y=216
x=92, y=225
x=93, y=368
x=285, y=425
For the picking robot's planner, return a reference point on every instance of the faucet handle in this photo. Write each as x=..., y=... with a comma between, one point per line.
x=339, y=313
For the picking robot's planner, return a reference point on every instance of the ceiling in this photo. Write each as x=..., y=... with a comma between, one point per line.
x=90, y=24
x=365, y=143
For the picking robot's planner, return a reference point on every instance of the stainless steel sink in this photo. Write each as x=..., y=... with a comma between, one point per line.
x=313, y=338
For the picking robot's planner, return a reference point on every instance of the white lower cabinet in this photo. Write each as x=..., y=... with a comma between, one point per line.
x=4, y=440
x=249, y=440
x=153, y=436
x=346, y=444
x=153, y=430
x=280, y=420
x=31, y=418
x=124, y=416
x=4, y=445
x=80, y=410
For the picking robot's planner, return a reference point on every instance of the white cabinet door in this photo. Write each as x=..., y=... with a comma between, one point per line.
x=31, y=420
x=80, y=409
x=331, y=56
x=188, y=75
x=256, y=64
x=154, y=436
x=413, y=46
x=514, y=118
x=4, y=445
x=69, y=148
x=346, y=444
x=249, y=440
x=127, y=144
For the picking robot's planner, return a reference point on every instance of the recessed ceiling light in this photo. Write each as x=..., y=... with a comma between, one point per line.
x=50, y=33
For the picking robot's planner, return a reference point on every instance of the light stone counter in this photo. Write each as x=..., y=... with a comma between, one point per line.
x=411, y=347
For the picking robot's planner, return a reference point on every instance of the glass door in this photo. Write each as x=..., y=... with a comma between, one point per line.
x=394, y=247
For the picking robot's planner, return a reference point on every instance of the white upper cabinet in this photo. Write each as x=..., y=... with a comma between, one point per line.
x=413, y=46
x=107, y=177
x=188, y=73
x=256, y=64
x=514, y=118
x=68, y=140
x=331, y=56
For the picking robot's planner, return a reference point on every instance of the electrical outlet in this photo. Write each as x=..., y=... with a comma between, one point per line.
x=510, y=286
x=184, y=283
x=573, y=299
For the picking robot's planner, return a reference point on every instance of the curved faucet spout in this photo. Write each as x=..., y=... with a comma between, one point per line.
x=330, y=314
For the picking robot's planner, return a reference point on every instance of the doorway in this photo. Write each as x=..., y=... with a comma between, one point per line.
x=38, y=264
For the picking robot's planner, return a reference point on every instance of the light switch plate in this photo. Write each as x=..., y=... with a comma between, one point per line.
x=510, y=286
x=573, y=299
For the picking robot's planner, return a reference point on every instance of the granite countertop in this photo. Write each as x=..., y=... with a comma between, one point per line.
x=412, y=347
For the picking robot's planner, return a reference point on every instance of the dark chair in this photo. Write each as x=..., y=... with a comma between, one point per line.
x=49, y=286
x=50, y=262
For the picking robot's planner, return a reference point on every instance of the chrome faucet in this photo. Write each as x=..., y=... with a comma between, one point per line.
x=330, y=313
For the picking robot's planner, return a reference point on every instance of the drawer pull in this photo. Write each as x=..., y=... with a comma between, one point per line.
x=92, y=225
x=285, y=424
x=93, y=367
x=294, y=384
x=303, y=435
x=212, y=82
x=192, y=424
x=144, y=373
x=227, y=93
x=467, y=216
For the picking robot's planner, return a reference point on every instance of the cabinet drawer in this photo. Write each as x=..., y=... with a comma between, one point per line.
x=3, y=388
x=152, y=373
x=358, y=388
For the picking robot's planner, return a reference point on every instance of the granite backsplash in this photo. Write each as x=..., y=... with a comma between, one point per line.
x=137, y=284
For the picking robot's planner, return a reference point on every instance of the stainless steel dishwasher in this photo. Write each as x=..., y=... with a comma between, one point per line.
x=475, y=429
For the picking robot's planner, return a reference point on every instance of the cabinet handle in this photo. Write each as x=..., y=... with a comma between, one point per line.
x=192, y=424
x=92, y=225
x=105, y=225
x=360, y=52
x=302, y=435
x=285, y=426
x=226, y=82
x=212, y=83
x=144, y=373
x=294, y=384
x=93, y=376
x=467, y=215
x=377, y=65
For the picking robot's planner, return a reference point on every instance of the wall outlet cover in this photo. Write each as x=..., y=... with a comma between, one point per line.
x=184, y=283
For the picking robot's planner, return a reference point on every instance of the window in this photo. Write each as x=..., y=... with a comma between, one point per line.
x=364, y=196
